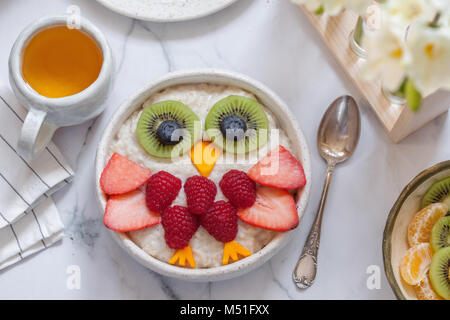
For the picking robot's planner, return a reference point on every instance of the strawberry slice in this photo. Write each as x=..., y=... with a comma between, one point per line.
x=279, y=169
x=122, y=175
x=128, y=212
x=274, y=210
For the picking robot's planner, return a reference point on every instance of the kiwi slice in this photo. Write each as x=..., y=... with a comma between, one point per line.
x=438, y=192
x=440, y=234
x=168, y=129
x=237, y=124
x=440, y=272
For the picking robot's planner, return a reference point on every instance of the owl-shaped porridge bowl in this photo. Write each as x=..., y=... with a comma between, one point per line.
x=285, y=119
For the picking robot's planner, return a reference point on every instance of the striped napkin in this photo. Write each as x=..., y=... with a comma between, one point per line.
x=29, y=220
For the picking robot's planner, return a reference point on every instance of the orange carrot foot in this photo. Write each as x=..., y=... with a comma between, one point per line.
x=232, y=250
x=183, y=255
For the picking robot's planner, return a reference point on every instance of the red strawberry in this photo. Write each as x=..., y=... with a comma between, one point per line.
x=221, y=221
x=162, y=189
x=200, y=194
x=128, y=212
x=238, y=188
x=274, y=210
x=122, y=175
x=279, y=169
x=179, y=226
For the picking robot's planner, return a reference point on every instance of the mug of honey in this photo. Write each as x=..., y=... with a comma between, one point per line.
x=61, y=74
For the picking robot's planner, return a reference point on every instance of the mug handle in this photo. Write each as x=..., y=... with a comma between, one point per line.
x=36, y=134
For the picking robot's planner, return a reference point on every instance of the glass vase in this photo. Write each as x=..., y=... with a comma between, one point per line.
x=396, y=97
x=356, y=38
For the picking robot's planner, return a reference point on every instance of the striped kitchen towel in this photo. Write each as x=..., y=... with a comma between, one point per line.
x=29, y=220
x=36, y=230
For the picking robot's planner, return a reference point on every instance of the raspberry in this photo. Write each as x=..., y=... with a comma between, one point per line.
x=162, y=189
x=179, y=226
x=200, y=194
x=221, y=221
x=238, y=188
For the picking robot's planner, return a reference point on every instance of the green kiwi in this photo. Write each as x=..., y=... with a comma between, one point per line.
x=440, y=272
x=438, y=192
x=440, y=234
x=168, y=129
x=237, y=124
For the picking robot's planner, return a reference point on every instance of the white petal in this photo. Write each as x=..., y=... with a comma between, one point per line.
x=430, y=54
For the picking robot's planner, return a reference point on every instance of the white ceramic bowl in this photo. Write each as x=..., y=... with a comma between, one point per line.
x=287, y=122
x=395, y=242
x=167, y=10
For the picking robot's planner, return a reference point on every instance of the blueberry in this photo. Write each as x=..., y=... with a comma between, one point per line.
x=233, y=127
x=166, y=130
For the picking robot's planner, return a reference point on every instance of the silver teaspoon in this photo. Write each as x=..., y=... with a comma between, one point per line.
x=337, y=138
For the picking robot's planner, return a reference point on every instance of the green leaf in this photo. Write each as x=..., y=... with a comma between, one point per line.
x=402, y=88
x=319, y=10
x=413, y=96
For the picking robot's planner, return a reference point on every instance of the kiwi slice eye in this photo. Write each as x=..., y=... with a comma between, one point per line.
x=438, y=192
x=440, y=272
x=168, y=129
x=440, y=234
x=237, y=124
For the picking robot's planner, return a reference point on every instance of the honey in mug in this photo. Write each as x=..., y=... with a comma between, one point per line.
x=59, y=62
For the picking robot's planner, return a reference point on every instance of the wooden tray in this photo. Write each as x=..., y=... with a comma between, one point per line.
x=398, y=120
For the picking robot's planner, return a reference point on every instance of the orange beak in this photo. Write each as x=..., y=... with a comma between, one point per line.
x=204, y=156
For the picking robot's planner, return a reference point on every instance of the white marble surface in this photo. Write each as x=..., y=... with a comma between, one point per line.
x=273, y=42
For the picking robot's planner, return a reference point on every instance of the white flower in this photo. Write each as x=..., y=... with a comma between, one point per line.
x=440, y=5
x=358, y=6
x=312, y=5
x=430, y=58
x=334, y=7
x=387, y=57
x=445, y=20
x=443, y=7
x=408, y=11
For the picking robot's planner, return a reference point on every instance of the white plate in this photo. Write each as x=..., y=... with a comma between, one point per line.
x=166, y=10
x=267, y=98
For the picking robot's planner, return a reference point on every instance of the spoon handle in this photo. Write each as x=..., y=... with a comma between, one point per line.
x=306, y=268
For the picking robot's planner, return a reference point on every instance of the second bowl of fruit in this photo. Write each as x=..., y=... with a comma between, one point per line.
x=202, y=175
x=416, y=245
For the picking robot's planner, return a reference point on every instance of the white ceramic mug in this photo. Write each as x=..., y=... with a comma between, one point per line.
x=45, y=115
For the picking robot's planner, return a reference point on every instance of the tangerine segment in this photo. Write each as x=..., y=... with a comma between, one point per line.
x=183, y=255
x=419, y=229
x=204, y=156
x=416, y=263
x=231, y=250
x=425, y=291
